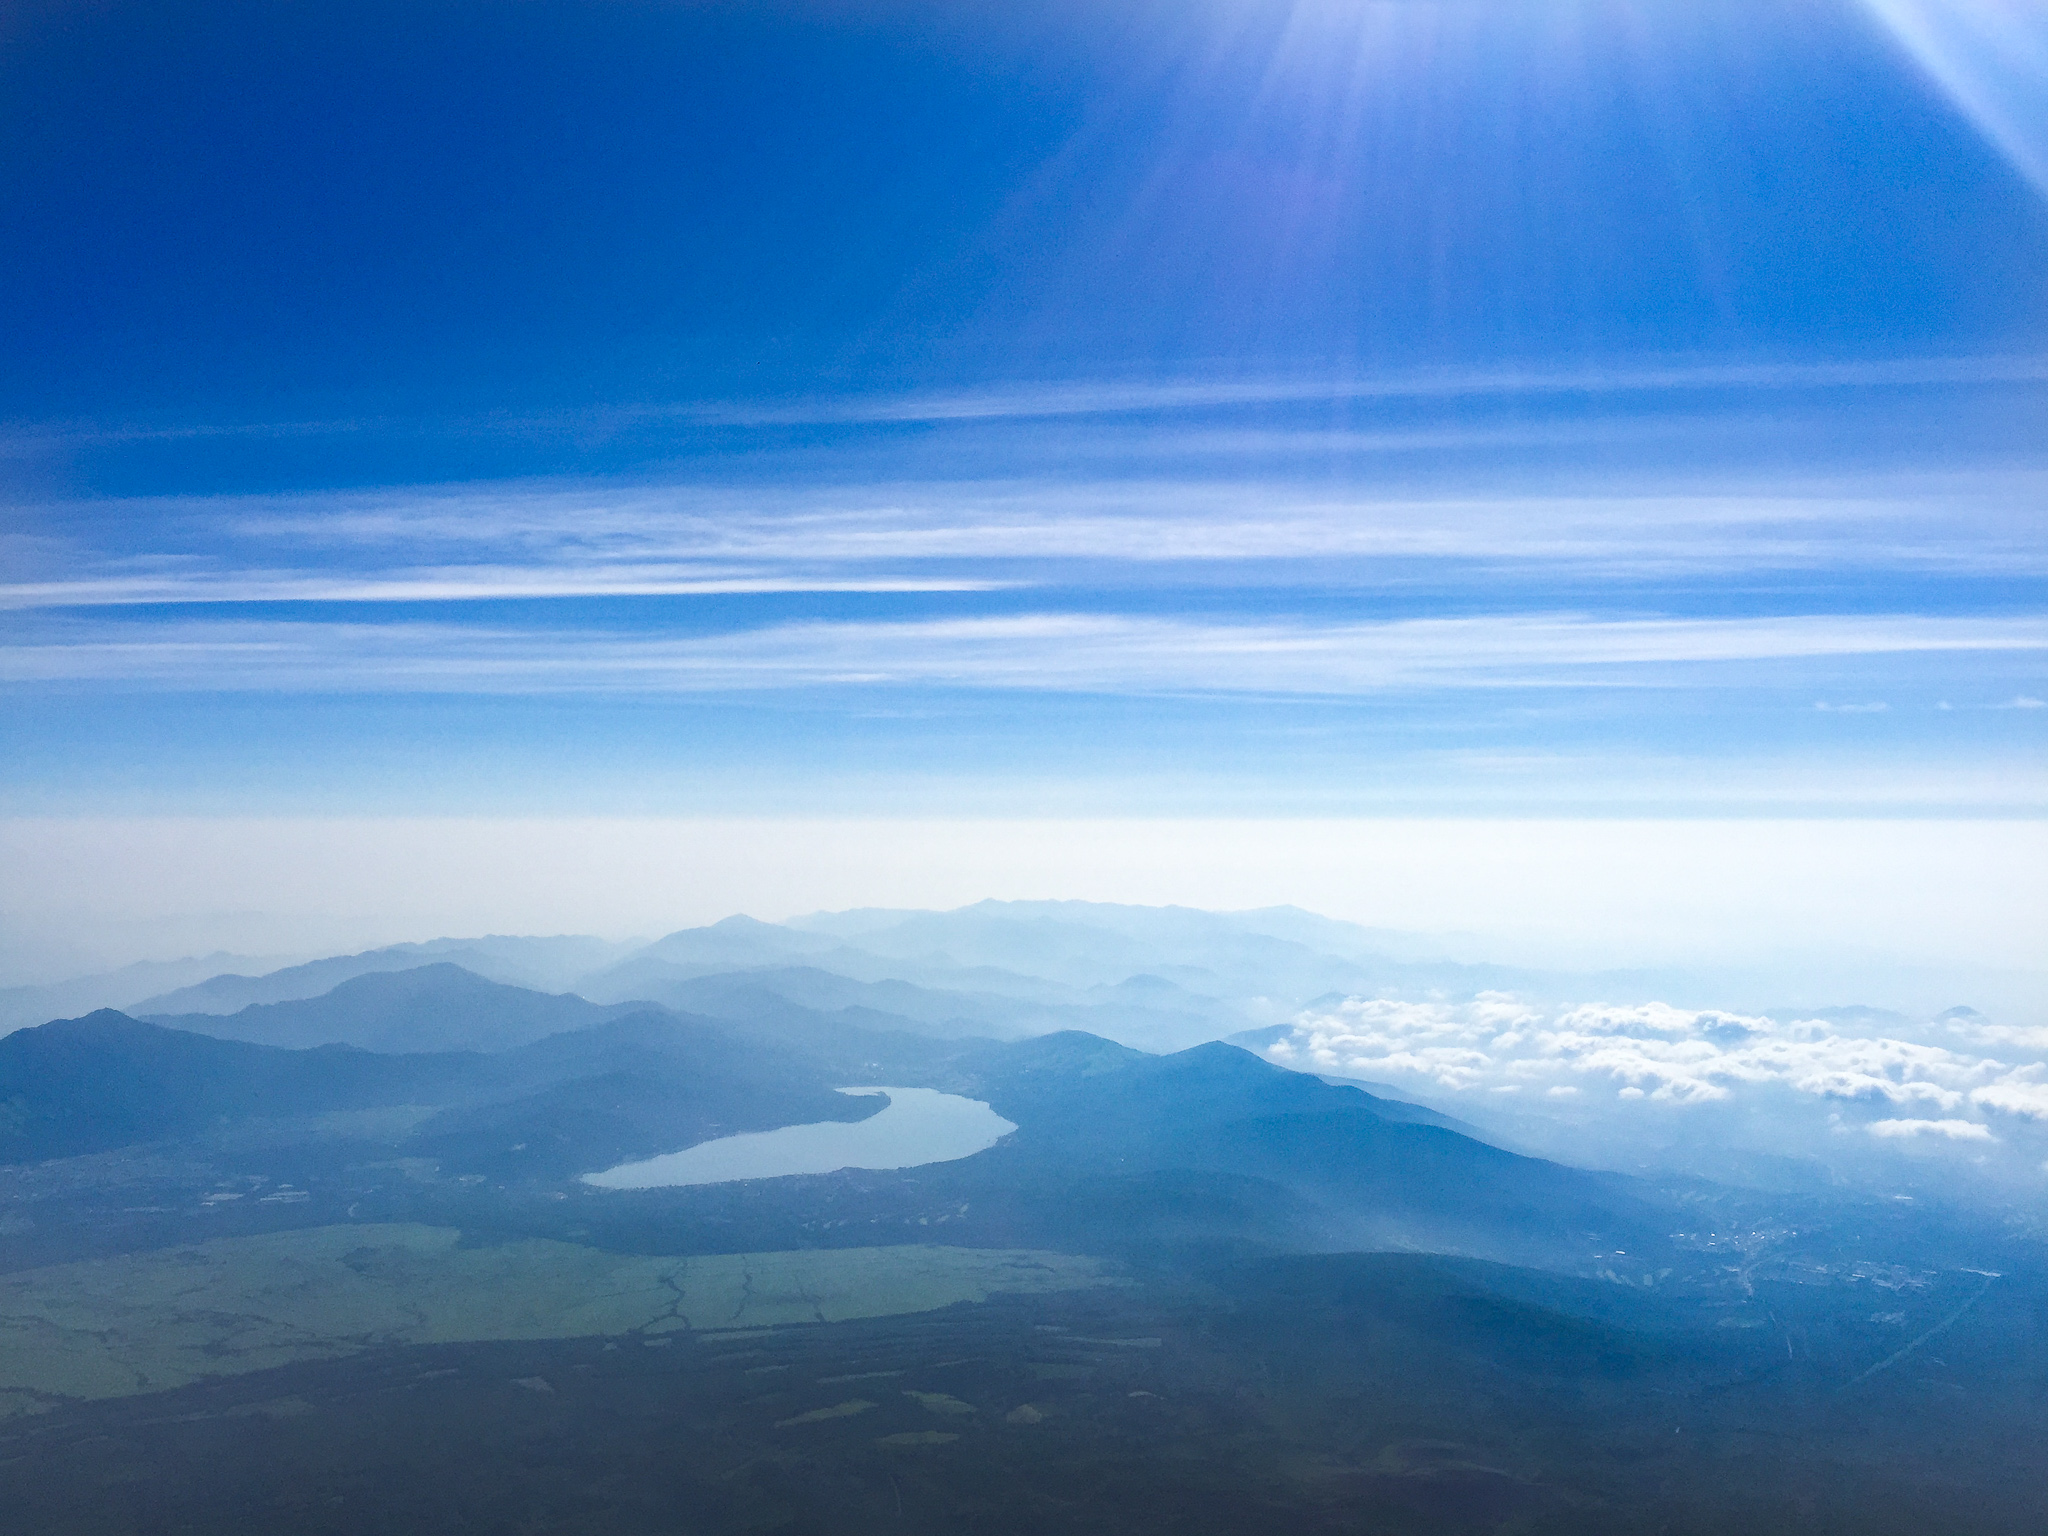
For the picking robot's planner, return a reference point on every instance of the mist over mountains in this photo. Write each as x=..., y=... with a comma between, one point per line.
x=1230, y=1148
x=1602, y=1069
x=551, y=553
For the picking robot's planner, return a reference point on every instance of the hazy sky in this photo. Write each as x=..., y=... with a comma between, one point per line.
x=1918, y=913
x=1239, y=410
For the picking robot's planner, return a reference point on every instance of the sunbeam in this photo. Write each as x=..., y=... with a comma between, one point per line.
x=1991, y=59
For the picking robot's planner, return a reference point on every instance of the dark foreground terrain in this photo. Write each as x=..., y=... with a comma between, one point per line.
x=250, y=1287
x=1368, y=1393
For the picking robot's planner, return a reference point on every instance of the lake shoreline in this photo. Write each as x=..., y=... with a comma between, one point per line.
x=917, y=1126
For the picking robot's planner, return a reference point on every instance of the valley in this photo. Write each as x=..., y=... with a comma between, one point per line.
x=1041, y=1277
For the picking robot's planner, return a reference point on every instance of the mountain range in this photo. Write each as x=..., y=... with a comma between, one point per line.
x=1159, y=977
x=1345, y=1286
x=530, y=1089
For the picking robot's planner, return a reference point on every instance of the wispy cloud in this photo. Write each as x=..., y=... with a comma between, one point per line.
x=1048, y=399
x=478, y=583
x=1044, y=651
x=487, y=541
x=1101, y=398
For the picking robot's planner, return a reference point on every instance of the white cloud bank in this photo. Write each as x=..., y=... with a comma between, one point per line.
x=1653, y=1054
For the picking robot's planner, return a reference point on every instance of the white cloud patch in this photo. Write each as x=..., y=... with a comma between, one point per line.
x=2021, y=1093
x=1951, y=1130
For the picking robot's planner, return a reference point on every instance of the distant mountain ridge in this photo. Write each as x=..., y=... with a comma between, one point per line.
x=539, y=963
x=1152, y=1013
x=437, y=1007
x=1160, y=977
x=123, y=988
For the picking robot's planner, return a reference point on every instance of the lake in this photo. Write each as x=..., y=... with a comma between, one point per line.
x=918, y=1126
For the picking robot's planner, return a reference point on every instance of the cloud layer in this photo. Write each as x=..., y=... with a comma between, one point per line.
x=433, y=544
x=1649, y=1061
x=1065, y=652
x=1602, y=586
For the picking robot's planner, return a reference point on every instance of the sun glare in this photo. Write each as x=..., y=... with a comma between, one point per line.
x=1990, y=57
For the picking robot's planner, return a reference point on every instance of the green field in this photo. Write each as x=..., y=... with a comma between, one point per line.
x=151, y=1321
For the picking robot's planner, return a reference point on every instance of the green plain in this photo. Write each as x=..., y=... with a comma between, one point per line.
x=148, y=1322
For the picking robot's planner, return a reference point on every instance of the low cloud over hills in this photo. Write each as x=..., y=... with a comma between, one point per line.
x=1711, y=1090
x=1643, y=1071
x=1244, y=1139
x=1248, y=1228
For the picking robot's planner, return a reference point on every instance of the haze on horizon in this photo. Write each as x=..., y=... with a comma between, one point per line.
x=1235, y=414
x=1395, y=652
x=1681, y=1070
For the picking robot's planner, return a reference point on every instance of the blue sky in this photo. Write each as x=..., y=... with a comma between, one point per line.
x=1235, y=409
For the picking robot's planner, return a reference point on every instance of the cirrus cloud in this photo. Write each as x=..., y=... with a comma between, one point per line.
x=1045, y=651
